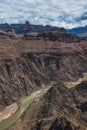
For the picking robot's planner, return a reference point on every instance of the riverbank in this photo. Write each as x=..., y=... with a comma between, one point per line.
x=8, y=111
x=24, y=103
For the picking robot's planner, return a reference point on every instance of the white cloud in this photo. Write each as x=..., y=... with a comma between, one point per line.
x=62, y=13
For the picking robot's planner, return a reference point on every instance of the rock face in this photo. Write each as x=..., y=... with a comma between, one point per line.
x=53, y=36
x=57, y=110
x=26, y=65
x=59, y=36
x=20, y=75
x=29, y=64
x=30, y=71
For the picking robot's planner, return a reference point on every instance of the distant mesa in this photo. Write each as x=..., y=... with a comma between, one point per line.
x=27, y=27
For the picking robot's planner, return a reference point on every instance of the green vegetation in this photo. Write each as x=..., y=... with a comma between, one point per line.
x=24, y=103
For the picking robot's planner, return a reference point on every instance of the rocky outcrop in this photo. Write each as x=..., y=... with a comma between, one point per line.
x=53, y=36
x=55, y=124
x=18, y=78
x=59, y=36
x=27, y=65
x=28, y=72
x=56, y=110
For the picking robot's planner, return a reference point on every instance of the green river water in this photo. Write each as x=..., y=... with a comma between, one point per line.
x=24, y=103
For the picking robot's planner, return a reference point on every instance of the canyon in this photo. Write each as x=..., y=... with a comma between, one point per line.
x=31, y=61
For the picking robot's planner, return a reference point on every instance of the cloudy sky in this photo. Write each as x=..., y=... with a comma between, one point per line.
x=62, y=13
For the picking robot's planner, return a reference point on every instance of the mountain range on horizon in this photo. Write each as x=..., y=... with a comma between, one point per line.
x=27, y=27
x=79, y=30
